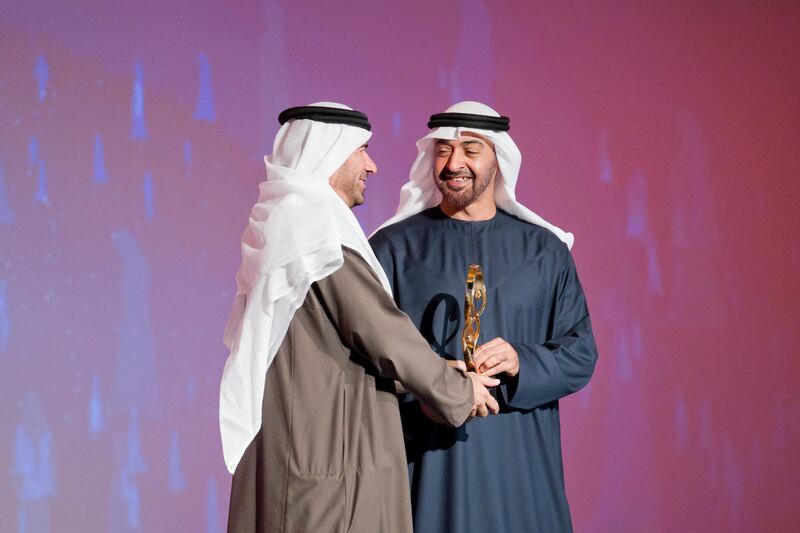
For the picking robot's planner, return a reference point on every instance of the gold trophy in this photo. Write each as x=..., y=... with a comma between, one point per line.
x=474, y=304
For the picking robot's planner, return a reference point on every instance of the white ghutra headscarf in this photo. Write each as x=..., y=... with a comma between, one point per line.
x=421, y=193
x=294, y=237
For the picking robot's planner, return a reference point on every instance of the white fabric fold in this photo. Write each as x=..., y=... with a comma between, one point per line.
x=294, y=237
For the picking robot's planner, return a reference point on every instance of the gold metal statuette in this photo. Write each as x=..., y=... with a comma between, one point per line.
x=474, y=304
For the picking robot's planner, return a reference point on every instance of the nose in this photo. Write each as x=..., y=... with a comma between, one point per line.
x=455, y=162
x=369, y=164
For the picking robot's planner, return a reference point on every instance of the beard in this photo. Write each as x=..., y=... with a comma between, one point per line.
x=356, y=194
x=475, y=187
x=348, y=187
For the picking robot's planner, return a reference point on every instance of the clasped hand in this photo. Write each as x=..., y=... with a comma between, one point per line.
x=492, y=358
x=483, y=402
x=495, y=357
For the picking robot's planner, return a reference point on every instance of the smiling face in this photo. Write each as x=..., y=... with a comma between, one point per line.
x=464, y=171
x=350, y=180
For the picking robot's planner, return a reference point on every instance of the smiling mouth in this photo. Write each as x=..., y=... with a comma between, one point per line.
x=457, y=182
x=458, y=178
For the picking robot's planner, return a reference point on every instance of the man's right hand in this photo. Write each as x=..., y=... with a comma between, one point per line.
x=483, y=402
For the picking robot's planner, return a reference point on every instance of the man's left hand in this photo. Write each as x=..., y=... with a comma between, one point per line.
x=495, y=357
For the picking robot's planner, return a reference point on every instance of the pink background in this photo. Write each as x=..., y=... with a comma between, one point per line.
x=665, y=137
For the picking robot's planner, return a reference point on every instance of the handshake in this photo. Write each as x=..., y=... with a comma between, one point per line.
x=495, y=357
x=483, y=402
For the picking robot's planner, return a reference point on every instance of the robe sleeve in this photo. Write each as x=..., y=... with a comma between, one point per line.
x=370, y=323
x=564, y=363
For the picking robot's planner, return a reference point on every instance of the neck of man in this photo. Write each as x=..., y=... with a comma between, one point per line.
x=481, y=209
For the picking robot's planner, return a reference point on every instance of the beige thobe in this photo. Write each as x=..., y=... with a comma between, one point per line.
x=330, y=456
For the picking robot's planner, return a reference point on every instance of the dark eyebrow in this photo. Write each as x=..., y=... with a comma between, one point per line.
x=446, y=142
x=365, y=145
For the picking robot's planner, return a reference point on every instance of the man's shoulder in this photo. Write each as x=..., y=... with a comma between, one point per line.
x=354, y=271
x=542, y=238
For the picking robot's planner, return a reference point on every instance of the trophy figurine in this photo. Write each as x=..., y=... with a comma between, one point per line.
x=474, y=304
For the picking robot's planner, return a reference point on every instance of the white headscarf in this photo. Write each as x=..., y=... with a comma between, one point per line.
x=294, y=238
x=421, y=193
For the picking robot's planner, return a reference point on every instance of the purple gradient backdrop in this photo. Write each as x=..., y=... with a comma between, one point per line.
x=664, y=136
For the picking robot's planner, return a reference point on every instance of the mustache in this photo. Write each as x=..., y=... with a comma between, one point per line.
x=445, y=175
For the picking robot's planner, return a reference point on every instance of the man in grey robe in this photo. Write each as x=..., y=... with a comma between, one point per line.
x=308, y=413
x=502, y=473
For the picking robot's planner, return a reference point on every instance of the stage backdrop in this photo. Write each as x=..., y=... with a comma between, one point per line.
x=664, y=135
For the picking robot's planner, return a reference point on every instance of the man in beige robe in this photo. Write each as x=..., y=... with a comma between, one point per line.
x=308, y=411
